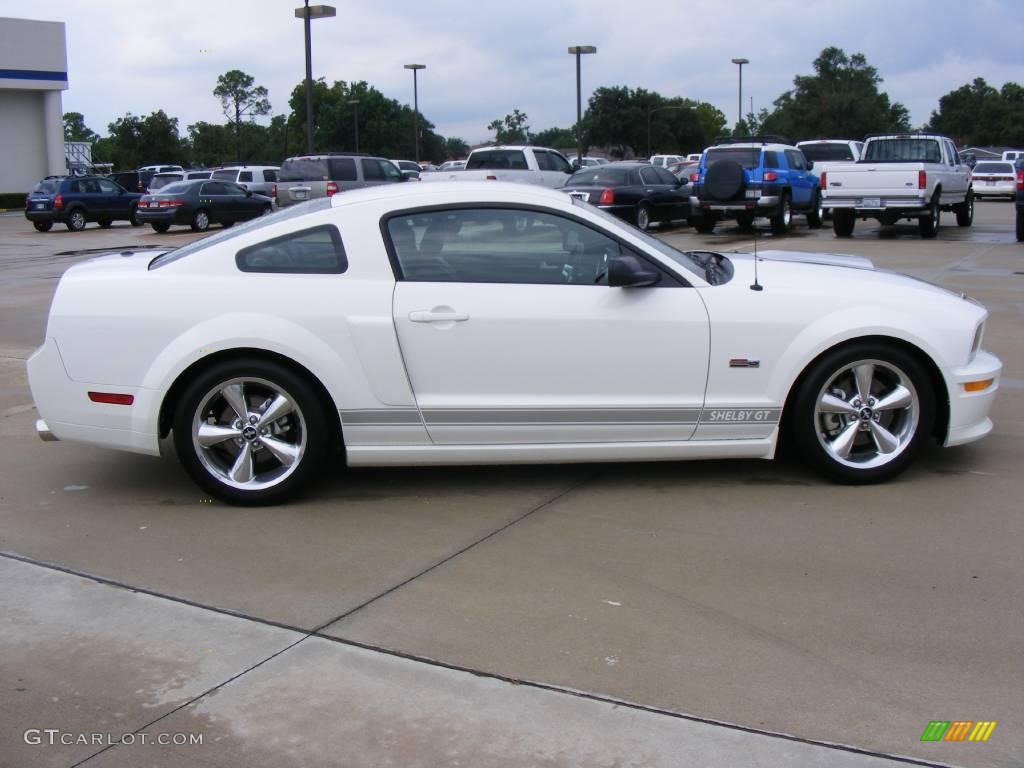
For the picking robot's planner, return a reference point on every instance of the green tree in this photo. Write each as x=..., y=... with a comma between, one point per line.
x=512, y=129
x=617, y=118
x=977, y=114
x=135, y=141
x=75, y=128
x=240, y=97
x=455, y=148
x=840, y=100
x=557, y=138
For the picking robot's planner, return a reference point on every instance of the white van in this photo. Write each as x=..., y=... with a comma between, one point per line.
x=1013, y=155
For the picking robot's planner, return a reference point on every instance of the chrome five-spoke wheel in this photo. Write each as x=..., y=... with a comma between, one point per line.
x=861, y=413
x=250, y=432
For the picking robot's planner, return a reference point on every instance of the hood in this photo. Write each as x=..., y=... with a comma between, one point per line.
x=825, y=259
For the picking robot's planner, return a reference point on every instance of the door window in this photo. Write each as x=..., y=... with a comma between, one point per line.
x=108, y=187
x=494, y=245
x=648, y=176
x=270, y=175
x=372, y=170
x=214, y=188
x=543, y=160
x=389, y=170
x=665, y=176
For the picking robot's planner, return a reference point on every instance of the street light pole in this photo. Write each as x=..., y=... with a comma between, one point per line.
x=416, y=107
x=306, y=13
x=651, y=111
x=355, y=121
x=577, y=51
x=739, y=103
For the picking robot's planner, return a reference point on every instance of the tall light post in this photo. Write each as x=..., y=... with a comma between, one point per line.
x=577, y=51
x=651, y=111
x=416, y=107
x=740, y=63
x=355, y=121
x=306, y=13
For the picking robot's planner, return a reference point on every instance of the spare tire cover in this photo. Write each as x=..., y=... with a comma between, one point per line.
x=724, y=180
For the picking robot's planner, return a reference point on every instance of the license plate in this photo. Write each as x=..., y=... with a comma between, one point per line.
x=871, y=202
x=990, y=183
x=580, y=196
x=39, y=205
x=299, y=195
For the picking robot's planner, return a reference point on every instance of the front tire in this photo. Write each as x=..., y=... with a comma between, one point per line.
x=965, y=211
x=928, y=225
x=200, y=221
x=816, y=212
x=783, y=219
x=862, y=413
x=843, y=222
x=250, y=432
x=46, y=226
x=643, y=217
x=76, y=220
x=133, y=217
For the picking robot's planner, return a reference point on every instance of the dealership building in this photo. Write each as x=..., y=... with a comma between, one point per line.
x=33, y=72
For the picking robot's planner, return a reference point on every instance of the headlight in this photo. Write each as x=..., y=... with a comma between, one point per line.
x=979, y=334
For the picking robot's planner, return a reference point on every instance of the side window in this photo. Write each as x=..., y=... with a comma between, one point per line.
x=648, y=176
x=234, y=189
x=665, y=176
x=496, y=245
x=771, y=160
x=543, y=160
x=372, y=170
x=389, y=170
x=270, y=175
x=108, y=187
x=340, y=169
x=75, y=186
x=89, y=185
x=559, y=163
x=317, y=250
x=213, y=188
x=245, y=176
x=792, y=160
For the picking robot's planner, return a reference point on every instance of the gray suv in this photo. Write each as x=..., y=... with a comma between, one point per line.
x=310, y=176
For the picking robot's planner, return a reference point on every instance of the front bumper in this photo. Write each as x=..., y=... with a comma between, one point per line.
x=969, y=411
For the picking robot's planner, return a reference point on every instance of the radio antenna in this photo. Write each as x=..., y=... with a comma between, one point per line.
x=756, y=286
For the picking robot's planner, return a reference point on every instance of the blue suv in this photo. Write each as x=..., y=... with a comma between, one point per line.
x=749, y=176
x=77, y=200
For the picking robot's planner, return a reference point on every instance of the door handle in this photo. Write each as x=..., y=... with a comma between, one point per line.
x=437, y=316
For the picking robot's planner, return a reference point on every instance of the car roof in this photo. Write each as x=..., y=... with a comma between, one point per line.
x=447, y=194
x=753, y=145
x=828, y=141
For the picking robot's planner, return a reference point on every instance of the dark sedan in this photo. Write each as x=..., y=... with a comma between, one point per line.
x=637, y=192
x=200, y=204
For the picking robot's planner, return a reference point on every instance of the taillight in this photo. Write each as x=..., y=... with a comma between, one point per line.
x=695, y=177
x=1020, y=179
x=58, y=201
x=607, y=196
x=824, y=179
x=922, y=179
x=490, y=178
x=139, y=186
x=111, y=398
x=273, y=191
x=171, y=203
x=332, y=188
x=770, y=176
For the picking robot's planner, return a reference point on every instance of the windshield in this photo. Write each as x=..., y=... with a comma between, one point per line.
x=993, y=168
x=748, y=157
x=902, y=150
x=834, y=151
x=160, y=181
x=600, y=176
x=678, y=257
x=291, y=212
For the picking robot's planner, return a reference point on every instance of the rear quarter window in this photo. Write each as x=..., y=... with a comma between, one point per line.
x=317, y=250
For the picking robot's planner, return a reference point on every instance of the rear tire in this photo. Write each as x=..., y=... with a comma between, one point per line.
x=843, y=223
x=705, y=224
x=76, y=220
x=200, y=221
x=816, y=212
x=46, y=226
x=928, y=225
x=643, y=217
x=1020, y=225
x=237, y=457
x=965, y=211
x=783, y=219
x=160, y=227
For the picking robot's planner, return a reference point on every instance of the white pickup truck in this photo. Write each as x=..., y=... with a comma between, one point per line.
x=522, y=164
x=900, y=176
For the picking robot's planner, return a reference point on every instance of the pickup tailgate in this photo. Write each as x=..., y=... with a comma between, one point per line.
x=880, y=181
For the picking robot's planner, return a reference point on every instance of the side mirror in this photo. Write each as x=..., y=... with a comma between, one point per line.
x=810, y=165
x=410, y=175
x=575, y=166
x=627, y=271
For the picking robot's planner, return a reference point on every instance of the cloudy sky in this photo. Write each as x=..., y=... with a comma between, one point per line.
x=485, y=59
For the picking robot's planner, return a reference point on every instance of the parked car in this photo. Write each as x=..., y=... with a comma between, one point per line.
x=1013, y=155
x=200, y=204
x=408, y=168
x=694, y=157
x=134, y=181
x=901, y=176
x=752, y=176
x=639, y=193
x=588, y=162
x=427, y=167
x=161, y=168
x=994, y=179
x=665, y=160
x=161, y=180
x=1019, y=168
x=683, y=170
x=261, y=179
x=452, y=165
x=523, y=164
x=308, y=177
x=77, y=200
x=376, y=328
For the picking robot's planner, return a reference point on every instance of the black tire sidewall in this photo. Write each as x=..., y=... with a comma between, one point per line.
x=1020, y=224
x=813, y=217
x=779, y=224
x=803, y=427
x=317, y=438
x=42, y=226
x=843, y=223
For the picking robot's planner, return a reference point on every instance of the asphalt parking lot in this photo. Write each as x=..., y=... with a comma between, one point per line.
x=704, y=613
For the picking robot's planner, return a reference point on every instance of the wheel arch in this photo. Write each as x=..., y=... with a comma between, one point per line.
x=171, y=398
x=935, y=378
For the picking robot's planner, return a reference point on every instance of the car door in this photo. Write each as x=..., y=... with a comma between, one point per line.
x=216, y=198
x=242, y=204
x=117, y=204
x=512, y=335
x=677, y=196
x=377, y=172
x=958, y=173
x=658, y=192
x=800, y=181
x=555, y=169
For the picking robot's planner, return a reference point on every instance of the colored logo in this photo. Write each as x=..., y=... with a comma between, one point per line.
x=958, y=730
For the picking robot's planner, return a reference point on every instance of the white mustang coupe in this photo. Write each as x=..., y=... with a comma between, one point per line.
x=485, y=323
